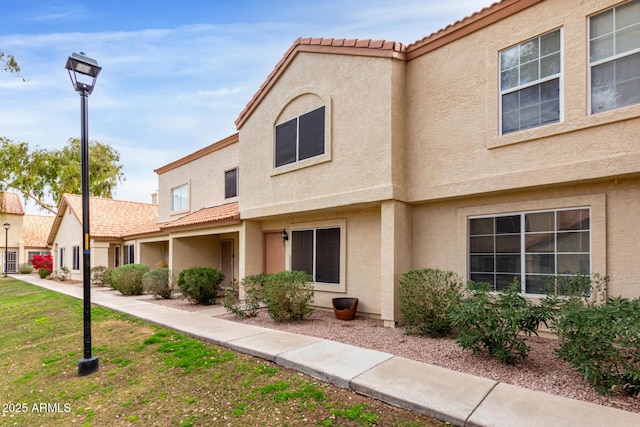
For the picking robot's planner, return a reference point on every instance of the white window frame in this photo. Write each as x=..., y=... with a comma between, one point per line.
x=340, y=224
x=539, y=81
x=62, y=262
x=129, y=254
x=612, y=58
x=523, y=234
x=182, y=193
x=297, y=154
x=76, y=258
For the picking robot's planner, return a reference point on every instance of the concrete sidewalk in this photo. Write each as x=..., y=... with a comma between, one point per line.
x=461, y=399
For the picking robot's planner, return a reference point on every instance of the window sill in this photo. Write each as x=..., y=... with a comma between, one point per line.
x=323, y=158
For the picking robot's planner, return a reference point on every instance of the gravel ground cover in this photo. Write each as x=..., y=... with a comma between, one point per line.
x=542, y=370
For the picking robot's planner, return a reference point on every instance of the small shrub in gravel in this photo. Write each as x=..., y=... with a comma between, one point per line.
x=253, y=295
x=426, y=299
x=601, y=341
x=97, y=275
x=288, y=295
x=159, y=282
x=128, y=278
x=62, y=274
x=200, y=284
x=107, y=277
x=44, y=272
x=25, y=268
x=498, y=322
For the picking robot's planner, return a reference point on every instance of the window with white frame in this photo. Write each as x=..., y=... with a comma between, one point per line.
x=614, y=56
x=316, y=251
x=532, y=247
x=231, y=183
x=180, y=198
x=300, y=138
x=31, y=254
x=530, y=74
x=129, y=251
x=62, y=261
x=76, y=258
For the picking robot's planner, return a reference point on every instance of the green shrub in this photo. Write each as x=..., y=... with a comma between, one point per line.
x=601, y=341
x=25, y=268
x=97, y=275
x=107, y=277
x=128, y=278
x=159, y=282
x=288, y=295
x=498, y=322
x=200, y=284
x=44, y=272
x=253, y=287
x=426, y=298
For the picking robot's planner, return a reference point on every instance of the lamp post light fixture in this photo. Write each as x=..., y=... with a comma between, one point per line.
x=83, y=72
x=6, y=246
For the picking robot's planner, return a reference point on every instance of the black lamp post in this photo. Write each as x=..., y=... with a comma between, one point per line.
x=83, y=72
x=6, y=246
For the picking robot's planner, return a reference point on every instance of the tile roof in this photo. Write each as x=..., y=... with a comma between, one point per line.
x=206, y=215
x=108, y=218
x=150, y=227
x=376, y=48
x=390, y=49
x=10, y=203
x=35, y=230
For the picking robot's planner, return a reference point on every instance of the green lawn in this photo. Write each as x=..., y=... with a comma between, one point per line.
x=150, y=375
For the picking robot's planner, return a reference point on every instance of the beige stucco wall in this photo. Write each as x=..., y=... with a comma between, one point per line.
x=13, y=239
x=359, y=129
x=205, y=176
x=69, y=235
x=361, y=231
x=453, y=142
x=440, y=228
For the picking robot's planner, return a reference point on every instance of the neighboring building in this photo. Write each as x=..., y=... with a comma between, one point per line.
x=198, y=219
x=36, y=231
x=109, y=221
x=12, y=213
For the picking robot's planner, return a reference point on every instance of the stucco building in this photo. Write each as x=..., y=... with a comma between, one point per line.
x=503, y=146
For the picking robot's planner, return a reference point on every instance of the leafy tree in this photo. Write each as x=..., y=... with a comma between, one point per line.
x=42, y=174
x=9, y=64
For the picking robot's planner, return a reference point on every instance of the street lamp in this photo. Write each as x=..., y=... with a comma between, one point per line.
x=83, y=72
x=6, y=246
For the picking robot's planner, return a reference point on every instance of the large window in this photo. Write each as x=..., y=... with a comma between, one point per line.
x=231, y=183
x=614, y=54
x=129, y=251
x=76, y=258
x=532, y=247
x=300, y=138
x=31, y=254
x=317, y=252
x=180, y=198
x=530, y=83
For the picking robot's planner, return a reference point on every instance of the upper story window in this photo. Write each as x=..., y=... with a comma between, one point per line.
x=300, y=138
x=533, y=247
x=530, y=83
x=180, y=198
x=231, y=183
x=614, y=56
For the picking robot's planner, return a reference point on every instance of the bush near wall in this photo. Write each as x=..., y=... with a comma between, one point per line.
x=253, y=292
x=288, y=295
x=498, y=322
x=97, y=275
x=128, y=278
x=426, y=298
x=42, y=261
x=25, y=268
x=200, y=284
x=44, y=272
x=159, y=282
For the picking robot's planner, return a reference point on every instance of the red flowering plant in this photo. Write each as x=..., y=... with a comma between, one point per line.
x=42, y=261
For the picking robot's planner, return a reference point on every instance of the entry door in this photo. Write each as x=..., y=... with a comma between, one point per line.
x=10, y=261
x=226, y=261
x=274, y=252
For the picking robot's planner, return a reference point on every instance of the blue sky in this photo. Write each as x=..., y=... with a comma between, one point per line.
x=176, y=74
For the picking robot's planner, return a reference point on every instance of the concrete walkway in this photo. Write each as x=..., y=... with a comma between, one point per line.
x=461, y=399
